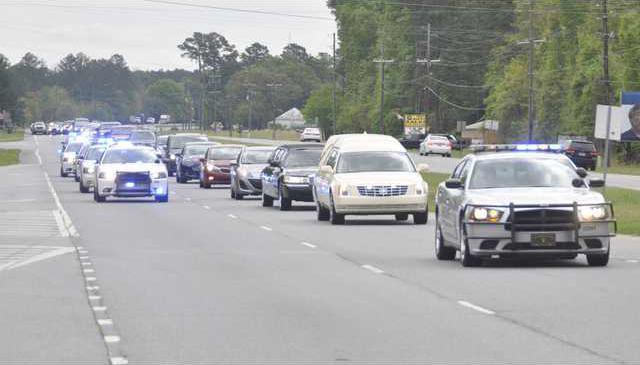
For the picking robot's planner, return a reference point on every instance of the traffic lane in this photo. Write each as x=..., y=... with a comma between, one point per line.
x=535, y=295
x=157, y=261
x=183, y=295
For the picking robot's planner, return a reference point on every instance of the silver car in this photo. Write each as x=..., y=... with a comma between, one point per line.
x=516, y=202
x=245, y=173
x=87, y=167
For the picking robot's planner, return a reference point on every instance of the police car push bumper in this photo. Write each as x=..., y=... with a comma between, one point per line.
x=133, y=184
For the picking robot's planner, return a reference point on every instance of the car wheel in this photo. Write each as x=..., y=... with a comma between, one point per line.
x=83, y=189
x=237, y=196
x=232, y=192
x=466, y=258
x=267, y=201
x=76, y=177
x=421, y=218
x=443, y=253
x=323, y=213
x=97, y=197
x=598, y=259
x=206, y=185
x=285, y=203
x=401, y=217
x=62, y=173
x=335, y=218
x=201, y=184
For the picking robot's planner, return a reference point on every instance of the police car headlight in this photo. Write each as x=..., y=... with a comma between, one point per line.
x=593, y=213
x=159, y=175
x=296, y=180
x=172, y=157
x=480, y=214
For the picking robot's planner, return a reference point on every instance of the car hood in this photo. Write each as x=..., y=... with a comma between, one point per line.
x=133, y=167
x=302, y=171
x=533, y=196
x=380, y=178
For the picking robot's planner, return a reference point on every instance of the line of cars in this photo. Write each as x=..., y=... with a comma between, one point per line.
x=501, y=201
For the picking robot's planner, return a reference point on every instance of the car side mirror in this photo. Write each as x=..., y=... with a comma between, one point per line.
x=581, y=172
x=596, y=183
x=326, y=169
x=423, y=167
x=453, y=184
x=203, y=160
x=577, y=183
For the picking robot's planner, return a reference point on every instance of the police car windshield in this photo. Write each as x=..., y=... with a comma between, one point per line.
x=256, y=157
x=94, y=154
x=225, y=153
x=374, y=161
x=118, y=156
x=521, y=173
x=303, y=158
x=74, y=147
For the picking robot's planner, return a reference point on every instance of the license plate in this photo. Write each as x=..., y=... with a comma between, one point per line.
x=582, y=154
x=543, y=239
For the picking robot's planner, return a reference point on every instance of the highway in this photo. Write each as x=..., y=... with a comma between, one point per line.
x=207, y=279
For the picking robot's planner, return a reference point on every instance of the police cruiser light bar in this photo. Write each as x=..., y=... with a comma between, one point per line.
x=516, y=147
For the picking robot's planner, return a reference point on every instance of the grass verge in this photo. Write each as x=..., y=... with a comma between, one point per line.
x=9, y=157
x=433, y=179
x=623, y=169
x=12, y=137
x=287, y=135
x=226, y=141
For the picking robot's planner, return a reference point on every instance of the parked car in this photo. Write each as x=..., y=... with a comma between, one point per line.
x=245, y=173
x=582, y=153
x=412, y=141
x=216, y=165
x=311, y=135
x=436, y=144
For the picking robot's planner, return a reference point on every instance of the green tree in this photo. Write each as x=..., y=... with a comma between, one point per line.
x=320, y=106
x=166, y=97
x=253, y=54
x=7, y=95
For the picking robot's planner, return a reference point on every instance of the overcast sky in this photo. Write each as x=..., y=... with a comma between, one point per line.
x=146, y=33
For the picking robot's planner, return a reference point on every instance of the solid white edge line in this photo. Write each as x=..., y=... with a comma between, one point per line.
x=119, y=361
x=61, y=227
x=207, y=207
x=633, y=261
x=373, y=269
x=308, y=244
x=476, y=307
x=268, y=229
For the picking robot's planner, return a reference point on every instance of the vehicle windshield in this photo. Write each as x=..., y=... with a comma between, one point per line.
x=374, y=161
x=95, y=153
x=522, y=173
x=251, y=157
x=224, y=153
x=303, y=158
x=196, y=151
x=178, y=142
x=121, y=156
x=73, y=147
x=142, y=136
x=583, y=146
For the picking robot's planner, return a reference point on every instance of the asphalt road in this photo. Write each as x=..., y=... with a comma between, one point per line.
x=206, y=279
x=446, y=165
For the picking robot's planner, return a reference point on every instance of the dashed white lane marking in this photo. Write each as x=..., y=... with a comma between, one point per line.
x=633, y=261
x=187, y=199
x=90, y=279
x=105, y=322
x=88, y=271
x=99, y=309
x=86, y=264
x=93, y=288
x=268, y=229
x=476, y=307
x=111, y=339
x=373, y=269
x=119, y=361
x=308, y=244
x=207, y=207
x=94, y=297
x=232, y=216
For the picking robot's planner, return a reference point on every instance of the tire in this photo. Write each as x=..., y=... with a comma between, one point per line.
x=402, y=217
x=83, y=189
x=232, y=193
x=62, y=173
x=97, y=198
x=201, y=184
x=267, y=201
x=598, y=260
x=285, y=203
x=336, y=219
x=76, y=177
x=443, y=253
x=466, y=258
x=421, y=218
x=238, y=196
x=323, y=213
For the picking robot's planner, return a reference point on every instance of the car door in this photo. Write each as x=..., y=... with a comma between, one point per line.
x=457, y=199
x=269, y=174
x=323, y=180
x=446, y=215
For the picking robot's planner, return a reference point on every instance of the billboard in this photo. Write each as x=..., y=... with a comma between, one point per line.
x=415, y=124
x=625, y=123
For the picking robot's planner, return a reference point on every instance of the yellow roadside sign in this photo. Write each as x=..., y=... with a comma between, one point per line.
x=415, y=120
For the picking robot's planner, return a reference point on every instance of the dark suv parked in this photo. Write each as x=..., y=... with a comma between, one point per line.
x=582, y=153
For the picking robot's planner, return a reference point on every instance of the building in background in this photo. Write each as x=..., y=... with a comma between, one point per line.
x=292, y=119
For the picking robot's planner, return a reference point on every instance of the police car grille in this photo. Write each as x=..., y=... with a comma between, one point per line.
x=383, y=191
x=543, y=220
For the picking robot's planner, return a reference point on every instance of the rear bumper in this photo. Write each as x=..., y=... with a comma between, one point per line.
x=68, y=167
x=222, y=178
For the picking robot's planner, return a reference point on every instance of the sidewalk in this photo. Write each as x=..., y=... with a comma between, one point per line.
x=45, y=314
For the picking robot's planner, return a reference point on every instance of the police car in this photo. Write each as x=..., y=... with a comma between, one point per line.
x=129, y=171
x=522, y=201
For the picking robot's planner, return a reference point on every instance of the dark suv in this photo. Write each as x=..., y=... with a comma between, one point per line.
x=175, y=144
x=582, y=153
x=287, y=176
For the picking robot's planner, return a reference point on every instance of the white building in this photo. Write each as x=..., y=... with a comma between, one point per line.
x=292, y=119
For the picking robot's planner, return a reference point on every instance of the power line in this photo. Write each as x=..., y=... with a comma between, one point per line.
x=452, y=103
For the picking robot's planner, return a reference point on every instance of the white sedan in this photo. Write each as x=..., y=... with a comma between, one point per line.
x=438, y=145
x=130, y=171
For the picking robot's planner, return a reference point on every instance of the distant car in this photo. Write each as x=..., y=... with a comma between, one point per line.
x=68, y=158
x=216, y=165
x=81, y=154
x=412, y=141
x=38, y=128
x=369, y=174
x=87, y=167
x=175, y=144
x=456, y=144
x=437, y=145
x=288, y=175
x=130, y=171
x=245, y=173
x=582, y=153
x=151, y=120
x=311, y=135
x=521, y=201
x=188, y=161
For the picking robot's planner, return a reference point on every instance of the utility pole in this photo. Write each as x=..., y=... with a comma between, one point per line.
x=382, y=61
x=273, y=86
x=250, y=96
x=333, y=92
x=531, y=43
x=428, y=62
x=609, y=100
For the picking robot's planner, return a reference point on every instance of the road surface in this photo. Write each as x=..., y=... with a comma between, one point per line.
x=207, y=279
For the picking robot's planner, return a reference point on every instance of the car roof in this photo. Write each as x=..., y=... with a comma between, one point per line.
x=260, y=148
x=203, y=143
x=187, y=135
x=368, y=142
x=227, y=146
x=302, y=146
